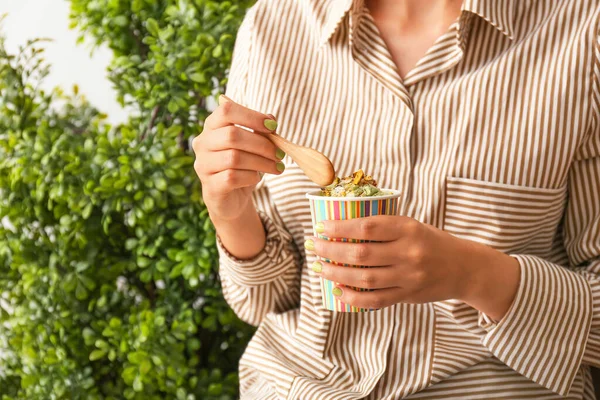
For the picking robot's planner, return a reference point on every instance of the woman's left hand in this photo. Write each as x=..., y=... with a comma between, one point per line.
x=413, y=263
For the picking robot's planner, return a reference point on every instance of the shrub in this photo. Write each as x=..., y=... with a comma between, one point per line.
x=108, y=277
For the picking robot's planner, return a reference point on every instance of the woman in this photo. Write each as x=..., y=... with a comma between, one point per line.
x=486, y=115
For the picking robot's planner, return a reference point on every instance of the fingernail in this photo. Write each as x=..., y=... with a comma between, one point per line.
x=280, y=166
x=309, y=244
x=280, y=154
x=270, y=124
x=320, y=227
x=337, y=292
x=317, y=267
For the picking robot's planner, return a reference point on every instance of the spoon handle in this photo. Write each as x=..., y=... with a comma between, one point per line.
x=315, y=165
x=278, y=141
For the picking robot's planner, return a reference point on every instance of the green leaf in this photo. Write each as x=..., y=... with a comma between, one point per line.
x=160, y=183
x=121, y=20
x=138, y=385
x=129, y=374
x=173, y=254
x=166, y=33
x=172, y=106
x=159, y=67
x=88, y=383
x=115, y=323
x=138, y=165
x=193, y=381
x=70, y=283
x=87, y=211
x=175, y=272
x=97, y=354
x=163, y=265
x=148, y=204
x=198, y=77
x=146, y=276
x=173, y=131
x=177, y=190
x=108, y=332
x=145, y=367
x=81, y=266
x=217, y=51
x=145, y=330
x=159, y=156
x=87, y=282
x=101, y=302
x=143, y=262
x=131, y=243
x=157, y=361
x=152, y=26
x=226, y=38
x=88, y=334
x=193, y=344
x=80, y=292
x=27, y=381
x=181, y=234
x=136, y=357
x=215, y=389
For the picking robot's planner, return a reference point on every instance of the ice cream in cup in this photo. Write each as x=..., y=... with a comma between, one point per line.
x=356, y=196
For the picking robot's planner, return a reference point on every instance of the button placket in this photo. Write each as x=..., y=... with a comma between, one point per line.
x=364, y=53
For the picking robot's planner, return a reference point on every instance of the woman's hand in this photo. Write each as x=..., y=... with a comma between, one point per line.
x=229, y=163
x=413, y=263
x=230, y=159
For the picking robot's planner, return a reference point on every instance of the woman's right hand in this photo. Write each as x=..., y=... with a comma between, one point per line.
x=230, y=160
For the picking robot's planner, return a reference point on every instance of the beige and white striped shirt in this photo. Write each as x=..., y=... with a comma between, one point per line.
x=494, y=137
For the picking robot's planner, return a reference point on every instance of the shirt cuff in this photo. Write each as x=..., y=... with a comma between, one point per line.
x=544, y=333
x=266, y=266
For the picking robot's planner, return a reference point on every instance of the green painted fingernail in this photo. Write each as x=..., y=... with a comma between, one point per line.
x=337, y=292
x=317, y=267
x=270, y=124
x=309, y=244
x=280, y=154
x=280, y=166
x=320, y=227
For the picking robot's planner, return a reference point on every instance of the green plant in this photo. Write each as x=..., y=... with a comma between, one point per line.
x=108, y=277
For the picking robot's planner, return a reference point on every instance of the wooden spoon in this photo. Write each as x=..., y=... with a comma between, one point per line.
x=315, y=165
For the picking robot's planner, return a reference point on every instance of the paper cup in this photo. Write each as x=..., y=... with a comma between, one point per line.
x=341, y=208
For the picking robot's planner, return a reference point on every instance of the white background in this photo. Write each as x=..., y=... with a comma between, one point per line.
x=71, y=63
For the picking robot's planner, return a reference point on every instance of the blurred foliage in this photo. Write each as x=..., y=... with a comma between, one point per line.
x=108, y=273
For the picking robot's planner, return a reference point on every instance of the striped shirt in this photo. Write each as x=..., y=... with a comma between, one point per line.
x=494, y=136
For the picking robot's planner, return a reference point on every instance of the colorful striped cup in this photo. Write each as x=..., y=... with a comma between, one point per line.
x=340, y=208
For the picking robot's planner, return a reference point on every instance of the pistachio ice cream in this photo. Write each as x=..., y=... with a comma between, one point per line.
x=356, y=185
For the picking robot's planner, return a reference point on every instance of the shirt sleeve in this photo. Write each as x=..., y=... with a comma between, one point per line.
x=271, y=280
x=553, y=325
x=552, y=328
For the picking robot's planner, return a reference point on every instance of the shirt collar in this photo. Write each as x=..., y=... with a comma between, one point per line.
x=332, y=15
x=499, y=13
